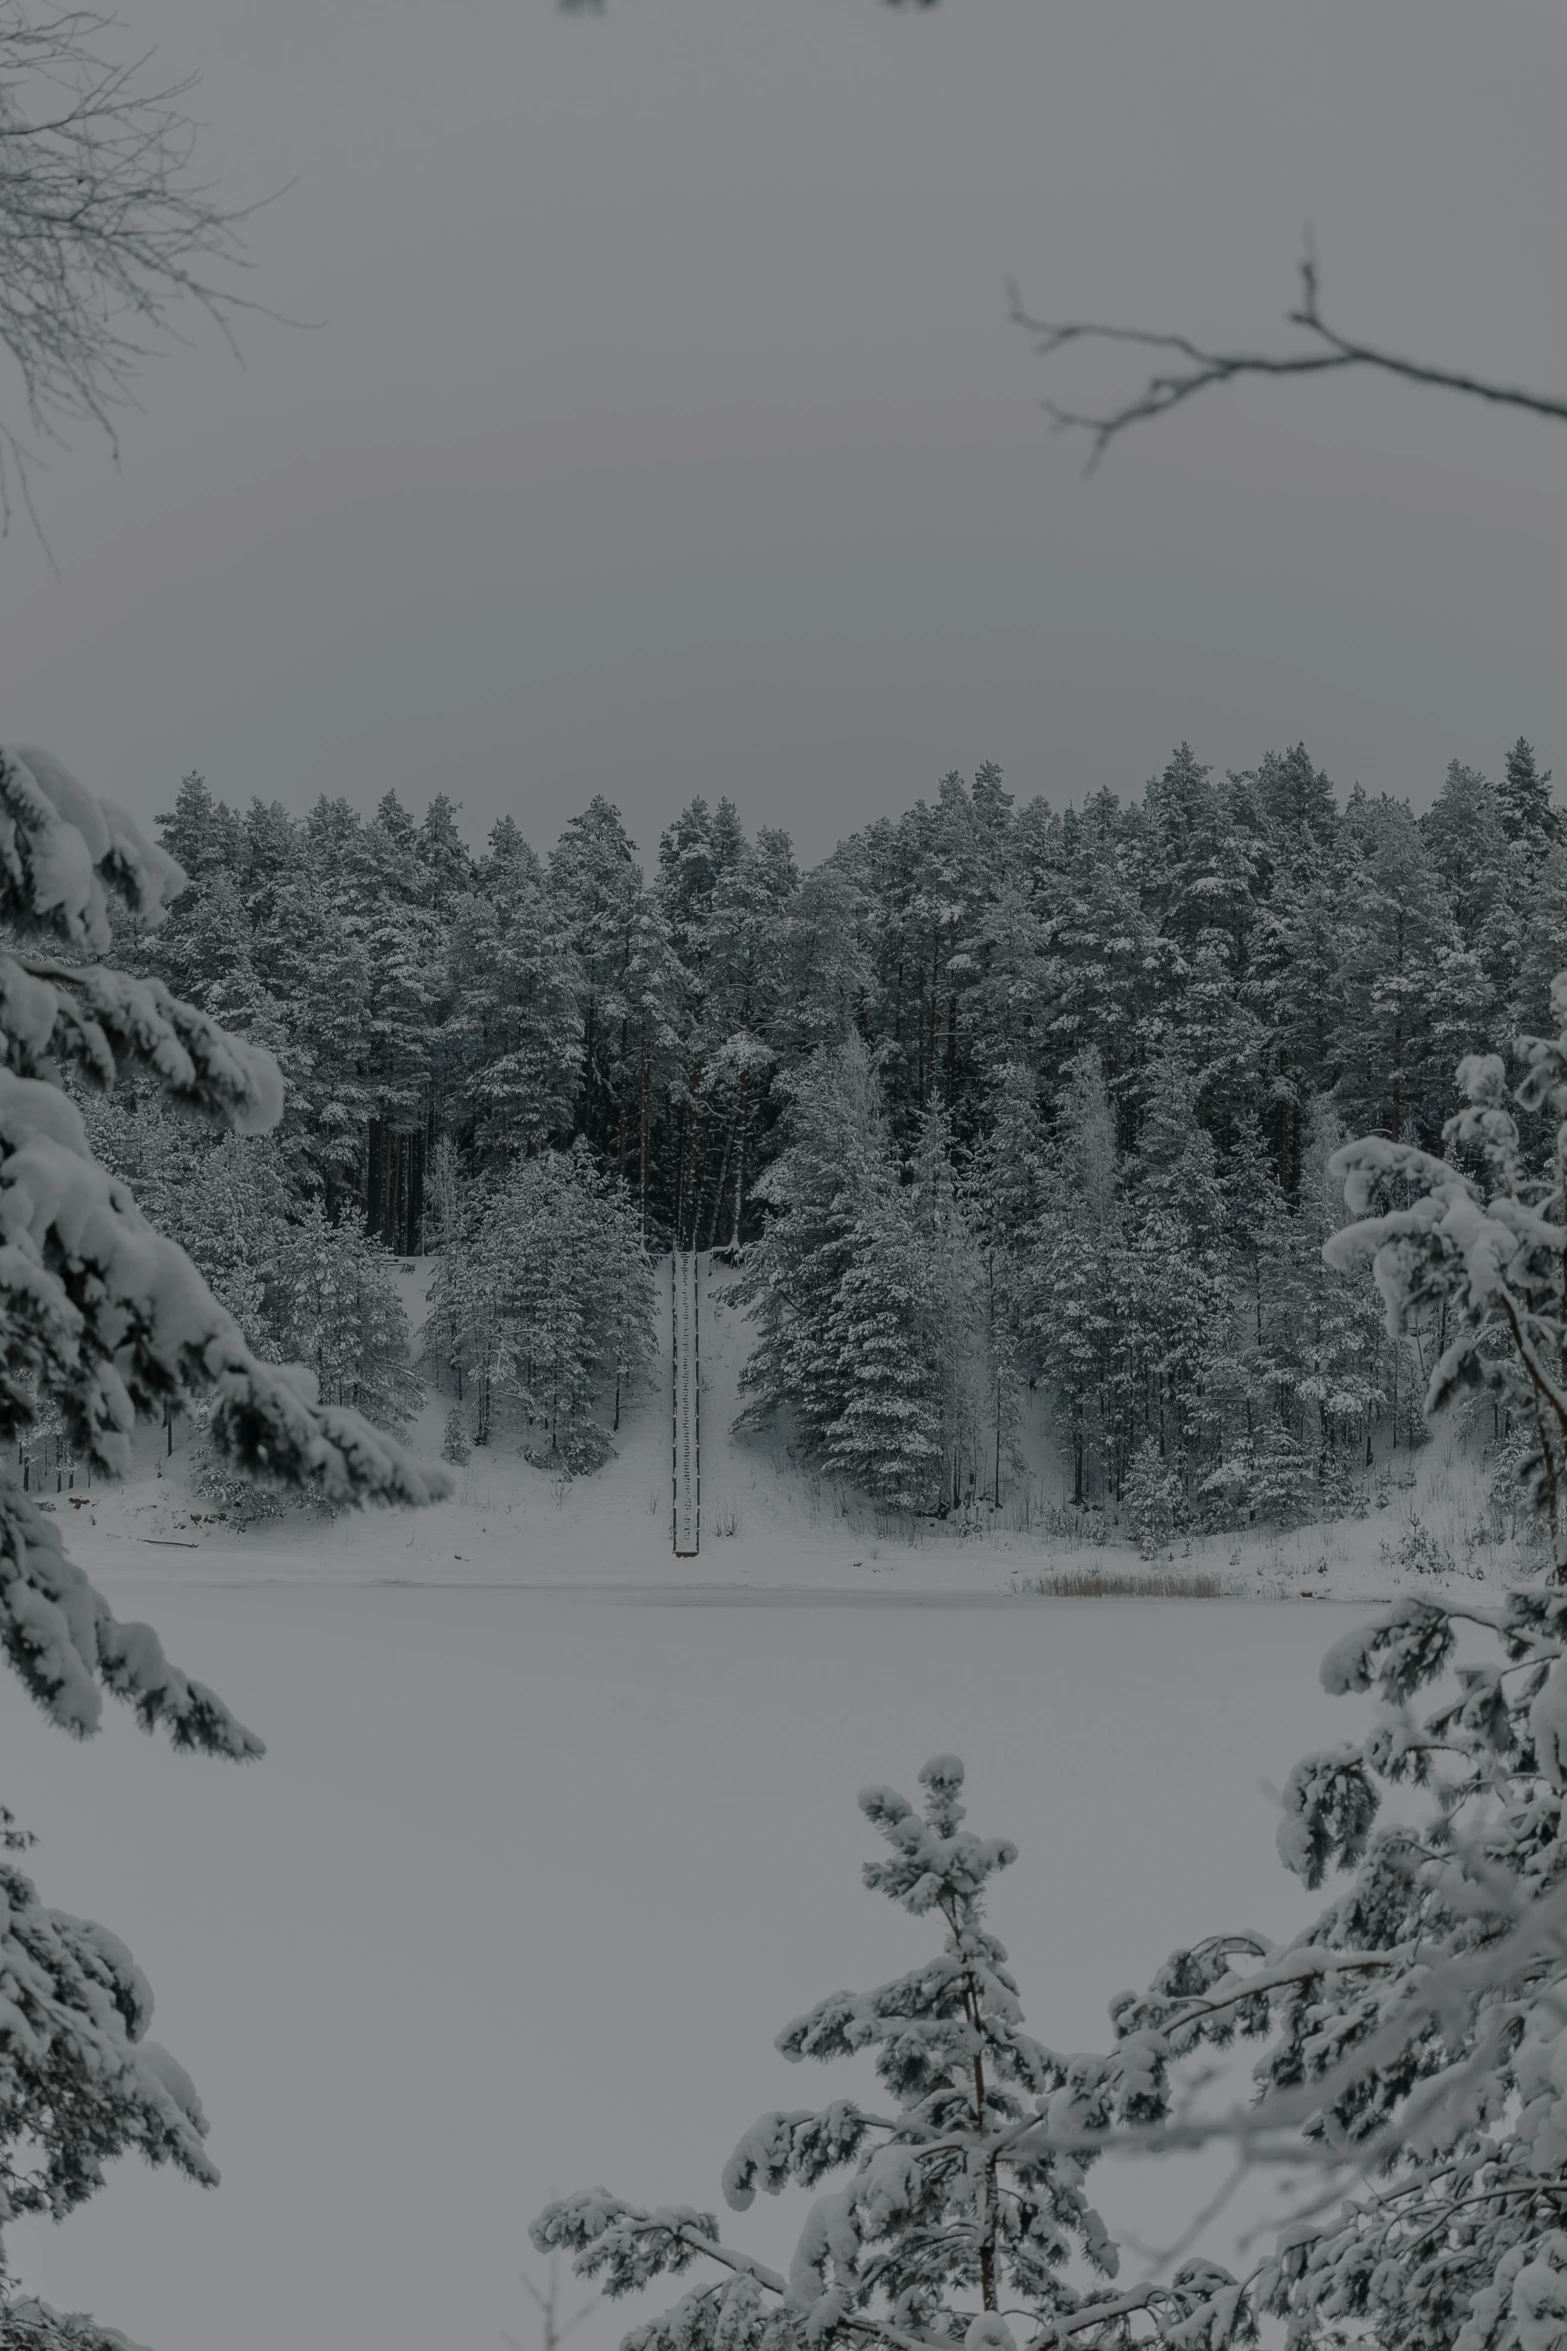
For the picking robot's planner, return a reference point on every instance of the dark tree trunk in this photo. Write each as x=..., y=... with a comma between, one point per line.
x=394, y=1185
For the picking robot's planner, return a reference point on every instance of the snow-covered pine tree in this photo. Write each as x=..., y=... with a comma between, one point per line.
x=956, y=2206
x=827, y=966
x=1153, y=1500
x=1416, y=2031
x=1472, y=1249
x=951, y=1331
x=1341, y=1370
x=1467, y=840
x=595, y=885
x=828, y=1189
x=1395, y=943
x=463, y=1338
x=1177, y=1313
x=553, y=1306
x=1313, y=1358
x=887, y=1439
x=742, y=949
x=544, y=1296
x=1525, y=795
x=335, y=1308
x=1003, y=1188
x=514, y=1029
x=106, y=1321
x=1072, y=1265
x=1412, y=2077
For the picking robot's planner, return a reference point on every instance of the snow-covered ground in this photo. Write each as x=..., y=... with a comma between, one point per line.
x=555, y=1832
x=766, y=1524
x=528, y=1881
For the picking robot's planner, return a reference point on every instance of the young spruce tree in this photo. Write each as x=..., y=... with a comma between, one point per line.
x=955, y=2206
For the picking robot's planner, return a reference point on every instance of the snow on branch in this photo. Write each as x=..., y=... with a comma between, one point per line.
x=66, y=1645
x=105, y=1022
x=32, y=2325
x=1410, y=2085
x=1478, y=1238
x=101, y=1315
x=83, y=2084
x=64, y=853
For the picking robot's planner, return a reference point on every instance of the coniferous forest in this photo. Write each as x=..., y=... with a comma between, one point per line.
x=1002, y=1107
x=1179, y=1164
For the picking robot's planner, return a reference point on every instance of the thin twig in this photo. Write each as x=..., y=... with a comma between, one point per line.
x=1166, y=389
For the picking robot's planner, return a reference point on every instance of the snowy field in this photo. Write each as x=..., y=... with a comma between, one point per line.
x=767, y=1525
x=529, y=1879
x=555, y=1832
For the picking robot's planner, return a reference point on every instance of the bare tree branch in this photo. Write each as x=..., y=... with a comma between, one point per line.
x=1197, y=368
x=553, y=2328
x=104, y=231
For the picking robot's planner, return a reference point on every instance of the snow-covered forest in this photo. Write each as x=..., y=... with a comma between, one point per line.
x=1002, y=1100
x=942, y=1298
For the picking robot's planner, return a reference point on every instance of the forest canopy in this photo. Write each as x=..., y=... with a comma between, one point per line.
x=999, y=1100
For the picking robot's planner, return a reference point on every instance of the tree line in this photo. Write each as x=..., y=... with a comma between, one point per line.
x=997, y=1098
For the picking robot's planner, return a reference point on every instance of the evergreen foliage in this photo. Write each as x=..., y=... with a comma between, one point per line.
x=1411, y=2076
x=542, y=1306
x=106, y=1322
x=955, y=2198
x=1084, y=1159
x=1410, y=2070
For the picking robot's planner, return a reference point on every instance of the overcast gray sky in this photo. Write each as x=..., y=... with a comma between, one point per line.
x=665, y=432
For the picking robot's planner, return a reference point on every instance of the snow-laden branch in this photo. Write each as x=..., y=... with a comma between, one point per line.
x=100, y=1314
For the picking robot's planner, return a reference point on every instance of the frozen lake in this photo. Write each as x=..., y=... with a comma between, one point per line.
x=530, y=1878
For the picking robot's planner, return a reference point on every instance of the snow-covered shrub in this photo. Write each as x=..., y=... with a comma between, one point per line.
x=1418, y=1551
x=1263, y=1477
x=1152, y=1499
x=455, y=1446
x=104, y=1321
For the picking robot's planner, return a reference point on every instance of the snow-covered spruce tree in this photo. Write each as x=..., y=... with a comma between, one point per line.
x=956, y=2206
x=336, y=1309
x=1414, y=2063
x=831, y=1188
x=1152, y=1500
x=106, y=1321
x=950, y=1332
x=1473, y=1248
x=887, y=1438
x=544, y=1294
x=1415, y=2068
x=1413, y=2074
